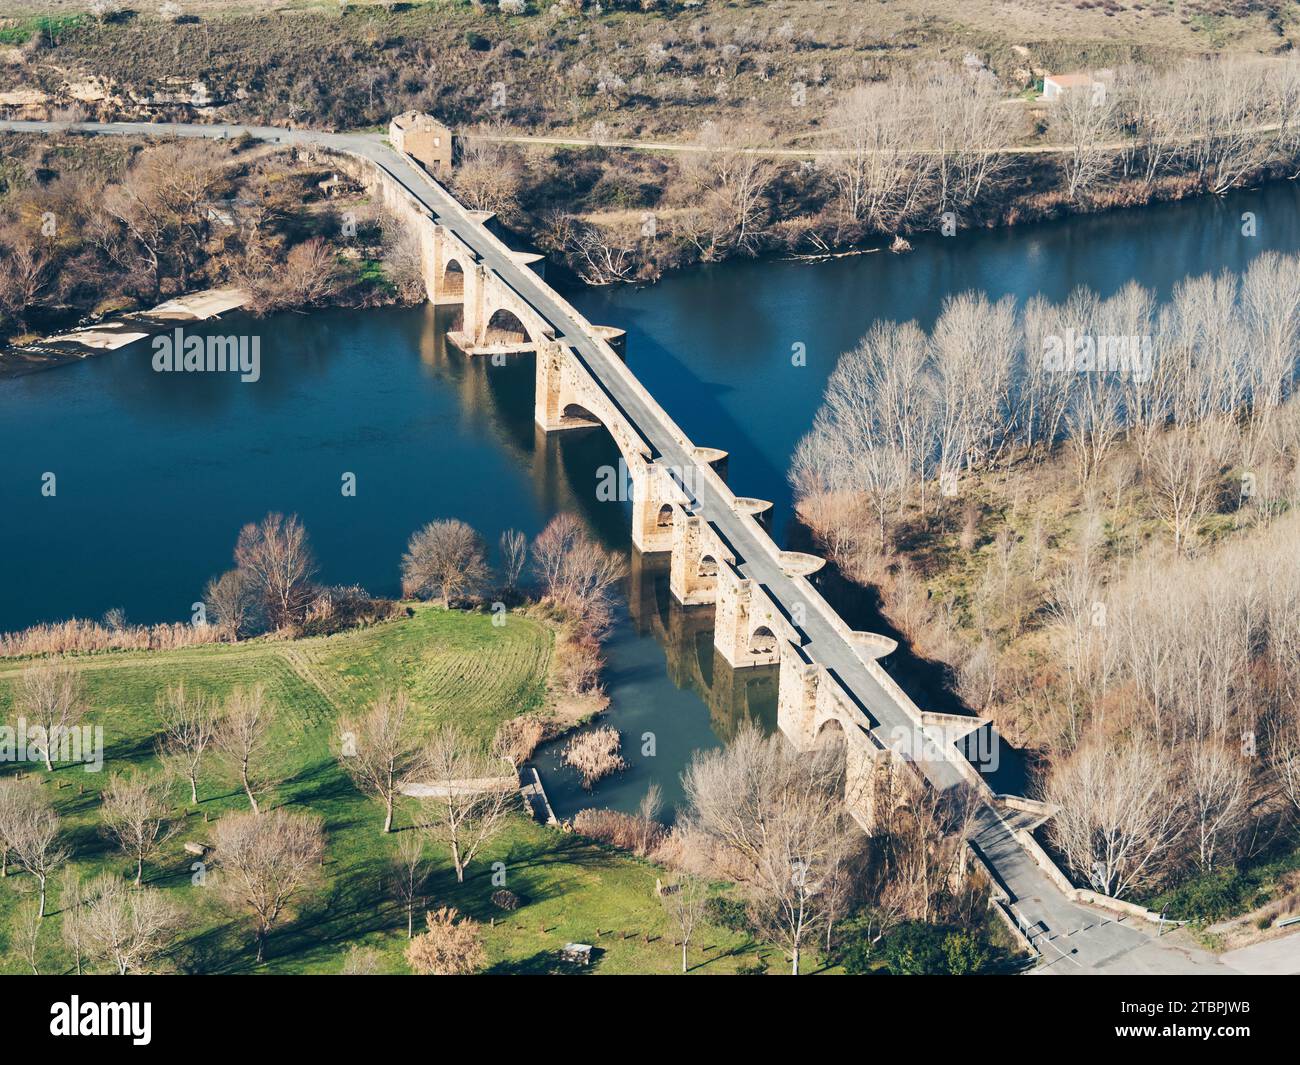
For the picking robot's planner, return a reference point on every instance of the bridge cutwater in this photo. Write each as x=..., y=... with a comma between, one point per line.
x=767, y=612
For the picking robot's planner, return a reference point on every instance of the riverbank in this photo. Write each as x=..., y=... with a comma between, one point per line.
x=191, y=229
x=114, y=333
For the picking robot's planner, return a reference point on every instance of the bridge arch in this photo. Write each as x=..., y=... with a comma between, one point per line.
x=574, y=413
x=453, y=279
x=830, y=731
x=762, y=642
x=664, y=519
x=504, y=327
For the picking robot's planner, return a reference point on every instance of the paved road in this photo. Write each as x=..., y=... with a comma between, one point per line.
x=1276, y=957
x=793, y=153
x=1071, y=937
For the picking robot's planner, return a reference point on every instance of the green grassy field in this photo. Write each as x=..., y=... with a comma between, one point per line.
x=457, y=667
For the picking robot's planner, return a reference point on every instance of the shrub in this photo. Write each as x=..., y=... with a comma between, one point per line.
x=594, y=754
x=578, y=663
x=344, y=607
x=624, y=831
x=1212, y=896
x=729, y=914
x=916, y=948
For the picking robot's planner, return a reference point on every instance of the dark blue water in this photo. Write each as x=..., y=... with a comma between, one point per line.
x=156, y=473
x=715, y=343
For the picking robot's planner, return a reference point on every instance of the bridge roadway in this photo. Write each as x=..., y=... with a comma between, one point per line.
x=1068, y=935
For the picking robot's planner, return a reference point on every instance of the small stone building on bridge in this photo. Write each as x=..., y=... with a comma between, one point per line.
x=424, y=139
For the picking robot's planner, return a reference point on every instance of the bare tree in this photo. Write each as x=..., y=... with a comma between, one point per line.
x=410, y=872
x=648, y=813
x=34, y=841
x=684, y=899
x=922, y=836
x=445, y=558
x=27, y=275
x=471, y=795
x=1085, y=121
x=18, y=797
x=488, y=176
x=881, y=172
x=730, y=186
x=380, y=750
x=279, y=561
x=967, y=122
x=159, y=205
x=451, y=946
x=402, y=259
x=1183, y=475
x=307, y=276
x=514, y=556
x=1224, y=143
x=189, y=729
x=1218, y=793
x=135, y=814
x=974, y=344
x=72, y=899
x=576, y=572
x=263, y=863
x=129, y=930
x=28, y=925
x=1120, y=813
x=49, y=696
x=599, y=253
x=232, y=602
x=777, y=822
x=242, y=740
x=873, y=436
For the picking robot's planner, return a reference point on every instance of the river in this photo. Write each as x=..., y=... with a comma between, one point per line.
x=155, y=473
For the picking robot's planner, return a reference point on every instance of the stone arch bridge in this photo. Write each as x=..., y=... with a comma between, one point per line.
x=830, y=680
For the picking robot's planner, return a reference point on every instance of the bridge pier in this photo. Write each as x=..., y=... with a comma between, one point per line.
x=655, y=517
x=693, y=572
x=796, y=699
x=734, y=623
x=547, y=386
x=870, y=781
x=474, y=313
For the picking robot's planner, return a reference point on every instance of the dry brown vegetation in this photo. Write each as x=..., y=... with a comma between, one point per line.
x=1101, y=554
x=638, y=65
x=95, y=230
x=78, y=636
x=451, y=945
x=876, y=93
x=594, y=754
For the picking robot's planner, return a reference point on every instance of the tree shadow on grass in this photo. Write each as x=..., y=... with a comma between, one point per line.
x=325, y=789
x=546, y=963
